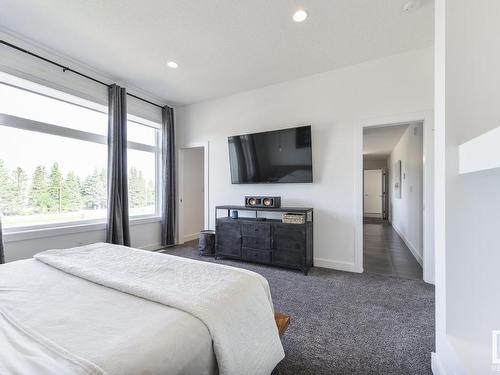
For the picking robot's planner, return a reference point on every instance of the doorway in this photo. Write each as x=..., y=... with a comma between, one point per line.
x=192, y=193
x=393, y=200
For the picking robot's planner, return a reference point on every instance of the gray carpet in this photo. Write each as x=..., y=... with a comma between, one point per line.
x=345, y=323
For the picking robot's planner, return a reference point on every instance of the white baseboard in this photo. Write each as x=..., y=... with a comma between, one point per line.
x=412, y=248
x=336, y=265
x=191, y=237
x=436, y=365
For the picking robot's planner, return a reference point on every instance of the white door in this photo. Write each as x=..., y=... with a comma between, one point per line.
x=372, y=201
x=192, y=196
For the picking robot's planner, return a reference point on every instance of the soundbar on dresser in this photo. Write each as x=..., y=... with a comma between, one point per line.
x=262, y=202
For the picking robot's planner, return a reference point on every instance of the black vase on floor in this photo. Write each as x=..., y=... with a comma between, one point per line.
x=206, y=245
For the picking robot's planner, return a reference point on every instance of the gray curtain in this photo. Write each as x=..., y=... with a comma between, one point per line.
x=118, y=231
x=2, y=255
x=168, y=176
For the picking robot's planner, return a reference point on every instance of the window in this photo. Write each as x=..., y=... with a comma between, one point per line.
x=143, y=161
x=53, y=158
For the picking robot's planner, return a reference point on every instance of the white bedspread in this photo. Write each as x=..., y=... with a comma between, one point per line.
x=25, y=352
x=234, y=304
x=118, y=332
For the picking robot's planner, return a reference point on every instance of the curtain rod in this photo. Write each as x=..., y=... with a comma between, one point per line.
x=68, y=69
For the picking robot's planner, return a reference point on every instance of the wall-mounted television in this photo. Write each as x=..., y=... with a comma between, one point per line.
x=279, y=156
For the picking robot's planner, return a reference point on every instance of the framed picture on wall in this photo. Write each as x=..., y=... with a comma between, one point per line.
x=397, y=179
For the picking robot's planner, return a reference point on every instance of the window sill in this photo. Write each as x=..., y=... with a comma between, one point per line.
x=64, y=229
x=144, y=219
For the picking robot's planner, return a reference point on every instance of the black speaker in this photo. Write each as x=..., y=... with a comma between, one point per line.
x=263, y=202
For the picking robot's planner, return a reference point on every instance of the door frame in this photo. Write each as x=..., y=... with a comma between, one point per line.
x=180, y=186
x=427, y=120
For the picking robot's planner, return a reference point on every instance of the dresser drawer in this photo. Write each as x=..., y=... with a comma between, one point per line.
x=254, y=255
x=256, y=242
x=256, y=230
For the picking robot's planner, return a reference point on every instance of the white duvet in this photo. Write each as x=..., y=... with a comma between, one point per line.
x=118, y=332
x=234, y=304
x=23, y=351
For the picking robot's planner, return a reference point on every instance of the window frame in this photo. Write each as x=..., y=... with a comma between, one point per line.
x=19, y=233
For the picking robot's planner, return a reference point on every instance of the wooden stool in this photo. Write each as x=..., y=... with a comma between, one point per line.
x=282, y=321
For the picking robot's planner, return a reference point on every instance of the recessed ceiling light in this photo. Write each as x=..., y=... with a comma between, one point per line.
x=172, y=64
x=300, y=15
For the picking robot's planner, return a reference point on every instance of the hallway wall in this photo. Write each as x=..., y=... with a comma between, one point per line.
x=406, y=213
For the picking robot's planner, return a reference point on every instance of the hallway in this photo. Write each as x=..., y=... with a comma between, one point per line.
x=385, y=253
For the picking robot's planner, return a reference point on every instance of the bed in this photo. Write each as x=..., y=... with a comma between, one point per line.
x=108, y=309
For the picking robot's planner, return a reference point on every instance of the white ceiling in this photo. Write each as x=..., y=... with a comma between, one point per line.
x=378, y=142
x=222, y=46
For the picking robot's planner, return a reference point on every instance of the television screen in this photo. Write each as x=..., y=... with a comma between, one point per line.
x=278, y=156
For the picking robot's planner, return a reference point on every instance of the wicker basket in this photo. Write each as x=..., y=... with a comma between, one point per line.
x=291, y=218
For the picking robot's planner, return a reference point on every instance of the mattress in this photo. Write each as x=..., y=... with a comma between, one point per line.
x=120, y=333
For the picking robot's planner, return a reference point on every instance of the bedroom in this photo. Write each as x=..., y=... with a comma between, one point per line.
x=100, y=102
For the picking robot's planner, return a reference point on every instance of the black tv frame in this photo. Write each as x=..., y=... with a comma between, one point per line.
x=276, y=182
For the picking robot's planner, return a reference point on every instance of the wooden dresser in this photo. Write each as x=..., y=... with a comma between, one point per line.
x=267, y=241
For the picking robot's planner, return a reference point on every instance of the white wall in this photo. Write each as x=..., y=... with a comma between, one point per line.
x=192, y=194
x=406, y=213
x=335, y=103
x=144, y=234
x=468, y=79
